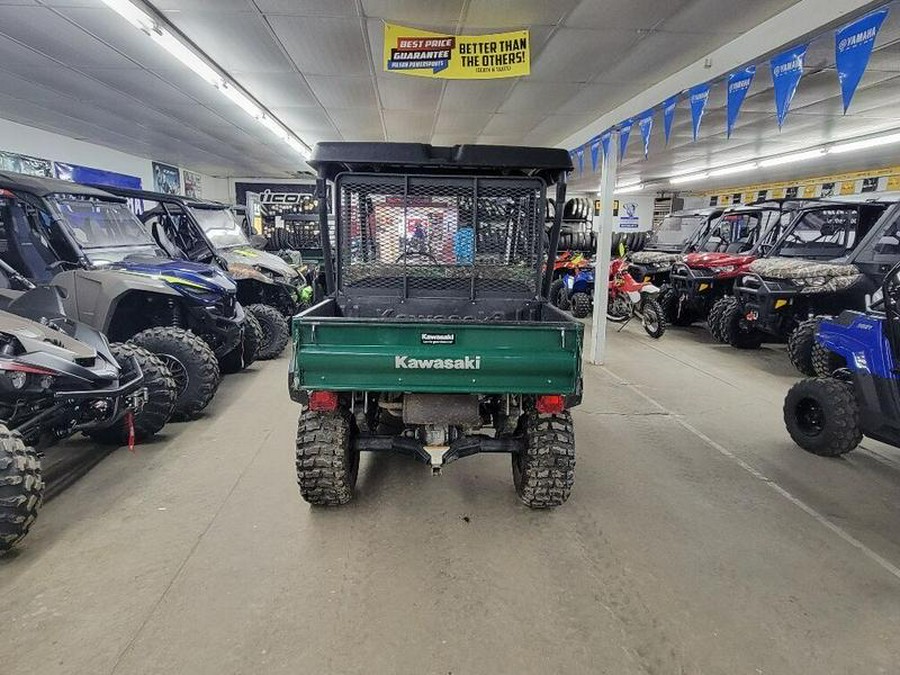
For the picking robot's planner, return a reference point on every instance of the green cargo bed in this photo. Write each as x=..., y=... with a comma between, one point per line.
x=339, y=353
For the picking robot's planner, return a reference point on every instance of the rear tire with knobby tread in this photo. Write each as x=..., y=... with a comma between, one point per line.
x=275, y=331
x=838, y=431
x=581, y=305
x=800, y=346
x=825, y=361
x=200, y=375
x=327, y=463
x=544, y=469
x=559, y=296
x=21, y=488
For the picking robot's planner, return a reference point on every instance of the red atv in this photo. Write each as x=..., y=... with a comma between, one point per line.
x=743, y=234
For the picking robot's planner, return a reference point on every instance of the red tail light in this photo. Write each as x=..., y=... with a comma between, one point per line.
x=551, y=404
x=323, y=401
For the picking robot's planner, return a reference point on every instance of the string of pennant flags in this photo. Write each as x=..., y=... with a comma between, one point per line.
x=853, y=45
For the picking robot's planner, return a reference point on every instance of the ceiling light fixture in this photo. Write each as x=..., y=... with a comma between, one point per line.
x=688, y=178
x=792, y=158
x=132, y=14
x=198, y=63
x=728, y=170
x=628, y=182
x=878, y=141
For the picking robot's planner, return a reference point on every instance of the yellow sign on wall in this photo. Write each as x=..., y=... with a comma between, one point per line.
x=412, y=51
x=848, y=187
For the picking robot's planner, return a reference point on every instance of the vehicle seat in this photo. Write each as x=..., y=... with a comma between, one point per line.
x=162, y=238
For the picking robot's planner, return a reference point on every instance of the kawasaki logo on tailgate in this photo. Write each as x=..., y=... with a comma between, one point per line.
x=465, y=363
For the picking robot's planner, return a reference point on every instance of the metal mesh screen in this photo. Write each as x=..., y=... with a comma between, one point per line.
x=436, y=235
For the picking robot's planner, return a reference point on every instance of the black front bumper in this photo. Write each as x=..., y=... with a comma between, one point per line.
x=767, y=306
x=698, y=288
x=221, y=331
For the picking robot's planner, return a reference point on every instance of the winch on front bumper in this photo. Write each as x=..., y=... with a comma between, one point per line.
x=767, y=304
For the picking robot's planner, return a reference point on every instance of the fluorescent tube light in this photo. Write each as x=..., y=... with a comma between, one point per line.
x=865, y=143
x=132, y=14
x=299, y=147
x=728, y=170
x=237, y=97
x=274, y=127
x=626, y=189
x=795, y=157
x=188, y=57
x=689, y=178
x=629, y=182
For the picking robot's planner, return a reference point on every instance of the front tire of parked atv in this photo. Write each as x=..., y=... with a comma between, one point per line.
x=736, y=335
x=581, y=305
x=825, y=361
x=243, y=355
x=800, y=346
x=275, y=331
x=544, y=469
x=192, y=363
x=327, y=463
x=161, y=395
x=653, y=319
x=559, y=296
x=822, y=416
x=21, y=488
x=714, y=319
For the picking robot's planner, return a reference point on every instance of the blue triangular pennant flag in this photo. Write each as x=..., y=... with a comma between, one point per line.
x=853, y=46
x=595, y=153
x=787, y=69
x=738, y=84
x=605, y=138
x=669, y=106
x=699, y=99
x=645, y=122
x=624, y=133
x=580, y=154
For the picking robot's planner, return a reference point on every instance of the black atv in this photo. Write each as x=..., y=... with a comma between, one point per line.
x=59, y=377
x=828, y=260
x=208, y=232
x=115, y=278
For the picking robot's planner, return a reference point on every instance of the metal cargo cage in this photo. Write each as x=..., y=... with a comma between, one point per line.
x=439, y=236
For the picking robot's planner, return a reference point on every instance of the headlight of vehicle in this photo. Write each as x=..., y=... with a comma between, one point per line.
x=722, y=270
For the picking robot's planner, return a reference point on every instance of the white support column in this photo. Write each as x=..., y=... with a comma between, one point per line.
x=604, y=246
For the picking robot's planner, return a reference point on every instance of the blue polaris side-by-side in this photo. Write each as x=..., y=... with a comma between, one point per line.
x=830, y=415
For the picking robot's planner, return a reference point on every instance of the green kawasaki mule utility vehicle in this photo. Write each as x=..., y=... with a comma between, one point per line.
x=436, y=339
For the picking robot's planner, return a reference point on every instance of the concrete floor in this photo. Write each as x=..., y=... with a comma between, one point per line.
x=698, y=540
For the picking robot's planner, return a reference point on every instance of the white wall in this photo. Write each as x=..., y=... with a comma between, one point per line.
x=25, y=140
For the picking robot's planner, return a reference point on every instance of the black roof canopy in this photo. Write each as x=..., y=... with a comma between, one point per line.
x=44, y=187
x=332, y=158
x=165, y=198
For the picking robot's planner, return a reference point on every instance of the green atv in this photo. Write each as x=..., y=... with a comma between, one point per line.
x=436, y=308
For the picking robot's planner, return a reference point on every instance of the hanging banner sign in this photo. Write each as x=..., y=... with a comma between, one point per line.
x=853, y=46
x=412, y=51
x=738, y=84
x=669, y=106
x=595, y=153
x=580, y=154
x=787, y=69
x=645, y=122
x=624, y=133
x=699, y=99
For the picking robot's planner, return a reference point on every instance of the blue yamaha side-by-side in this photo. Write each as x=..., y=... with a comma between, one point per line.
x=830, y=415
